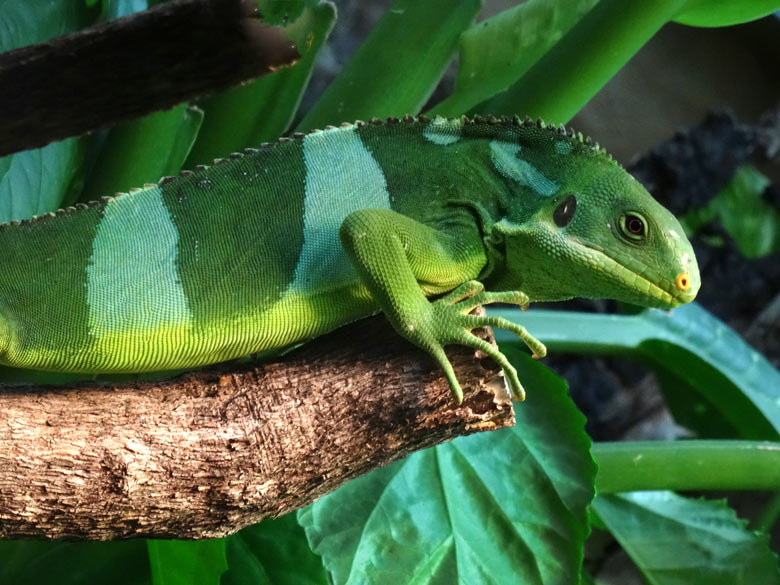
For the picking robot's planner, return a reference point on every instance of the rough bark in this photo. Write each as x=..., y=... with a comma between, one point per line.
x=211, y=452
x=132, y=66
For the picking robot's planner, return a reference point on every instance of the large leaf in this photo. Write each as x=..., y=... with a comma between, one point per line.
x=181, y=562
x=389, y=75
x=690, y=343
x=32, y=562
x=496, y=52
x=262, y=110
x=500, y=507
x=274, y=552
x=281, y=12
x=35, y=21
x=142, y=151
x=43, y=179
x=725, y=12
x=680, y=541
x=118, y=8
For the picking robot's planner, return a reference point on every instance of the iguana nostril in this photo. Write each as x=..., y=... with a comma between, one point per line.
x=683, y=281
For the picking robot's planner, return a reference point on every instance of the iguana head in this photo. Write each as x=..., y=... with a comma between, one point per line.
x=593, y=231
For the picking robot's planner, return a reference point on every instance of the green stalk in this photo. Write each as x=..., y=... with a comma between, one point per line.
x=582, y=62
x=769, y=515
x=143, y=150
x=687, y=465
x=396, y=69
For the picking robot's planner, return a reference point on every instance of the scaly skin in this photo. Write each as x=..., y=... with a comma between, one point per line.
x=289, y=241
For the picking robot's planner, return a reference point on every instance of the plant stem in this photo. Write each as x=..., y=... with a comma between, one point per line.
x=687, y=465
x=769, y=514
x=584, y=60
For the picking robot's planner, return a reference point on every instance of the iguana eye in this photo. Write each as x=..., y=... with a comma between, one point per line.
x=564, y=213
x=633, y=226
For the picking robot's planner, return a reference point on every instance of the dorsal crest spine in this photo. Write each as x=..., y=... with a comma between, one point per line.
x=565, y=132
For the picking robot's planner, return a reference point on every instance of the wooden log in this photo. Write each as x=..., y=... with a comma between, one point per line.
x=148, y=61
x=208, y=453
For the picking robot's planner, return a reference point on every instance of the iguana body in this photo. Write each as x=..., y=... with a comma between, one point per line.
x=287, y=242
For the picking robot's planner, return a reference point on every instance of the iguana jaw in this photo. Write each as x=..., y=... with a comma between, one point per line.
x=665, y=298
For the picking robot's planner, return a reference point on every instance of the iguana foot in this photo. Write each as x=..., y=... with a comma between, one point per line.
x=450, y=322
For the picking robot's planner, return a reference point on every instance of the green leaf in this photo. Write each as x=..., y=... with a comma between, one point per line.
x=43, y=179
x=389, y=75
x=32, y=562
x=262, y=110
x=500, y=507
x=35, y=181
x=573, y=70
x=142, y=151
x=752, y=222
x=725, y=12
x=688, y=342
x=680, y=541
x=182, y=562
x=584, y=60
x=274, y=552
x=280, y=12
x=696, y=411
x=496, y=52
x=118, y=8
x=35, y=21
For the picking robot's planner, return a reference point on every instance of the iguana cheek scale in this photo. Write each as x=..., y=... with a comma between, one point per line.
x=288, y=241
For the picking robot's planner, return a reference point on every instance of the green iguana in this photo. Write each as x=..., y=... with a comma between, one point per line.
x=286, y=242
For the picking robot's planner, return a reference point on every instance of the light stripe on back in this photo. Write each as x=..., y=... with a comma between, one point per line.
x=342, y=176
x=132, y=281
x=505, y=156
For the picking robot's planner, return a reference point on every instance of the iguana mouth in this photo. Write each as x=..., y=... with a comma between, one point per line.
x=607, y=264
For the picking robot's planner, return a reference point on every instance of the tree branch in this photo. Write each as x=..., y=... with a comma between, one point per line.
x=213, y=451
x=132, y=66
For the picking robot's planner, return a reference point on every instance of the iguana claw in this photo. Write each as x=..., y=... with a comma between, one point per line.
x=452, y=323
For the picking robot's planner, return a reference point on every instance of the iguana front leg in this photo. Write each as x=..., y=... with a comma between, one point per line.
x=401, y=260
